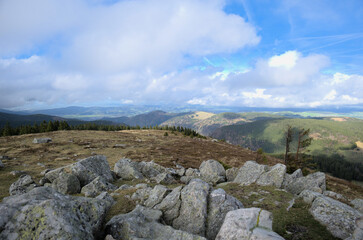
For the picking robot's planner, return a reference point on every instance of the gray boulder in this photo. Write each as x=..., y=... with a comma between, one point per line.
x=338, y=217
x=42, y=140
x=358, y=232
x=170, y=205
x=274, y=177
x=164, y=178
x=127, y=169
x=141, y=195
x=289, y=178
x=219, y=204
x=44, y=213
x=144, y=223
x=156, y=195
x=231, y=174
x=180, y=171
x=66, y=183
x=309, y=196
x=212, y=172
x=335, y=195
x=249, y=173
x=150, y=169
x=357, y=204
x=190, y=173
x=24, y=184
x=97, y=186
x=314, y=182
x=193, y=209
x=248, y=223
x=1, y=164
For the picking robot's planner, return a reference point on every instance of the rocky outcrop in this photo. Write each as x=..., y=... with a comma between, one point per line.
x=42, y=140
x=85, y=170
x=156, y=195
x=164, y=178
x=24, y=184
x=219, y=204
x=126, y=169
x=248, y=223
x=97, y=186
x=66, y=183
x=273, y=177
x=44, y=213
x=212, y=172
x=231, y=174
x=339, y=218
x=170, y=205
x=314, y=182
x=357, y=204
x=249, y=173
x=144, y=223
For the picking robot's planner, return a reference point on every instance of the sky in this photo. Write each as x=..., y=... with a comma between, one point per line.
x=253, y=53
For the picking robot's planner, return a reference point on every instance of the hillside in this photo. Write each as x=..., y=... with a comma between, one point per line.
x=205, y=123
x=329, y=135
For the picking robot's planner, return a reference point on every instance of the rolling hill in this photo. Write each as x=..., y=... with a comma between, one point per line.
x=330, y=135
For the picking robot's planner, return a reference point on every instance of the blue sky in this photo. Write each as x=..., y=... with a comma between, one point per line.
x=256, y=53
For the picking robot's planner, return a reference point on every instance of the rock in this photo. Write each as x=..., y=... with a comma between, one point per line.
x=231, y=174
x=17, y=173
x=150, y=169
x=170, y=205
x=248, y=223
x=193, y=173
x=24, y=184
x=127, y=169
x=358, y=232
x=90, y=168
x=357, y=204
x=125, y=187
x=274, y=177
x=212, y=172
x=291, y=177
x=42, y=140
x=66, y=183
x=3, y=157
x=41, y=164
x=164, y=178
x=338, y=217
x=43, y=213
x=335, y=195
x=120, y=145
x=43, y=181
x=97, y=186
x=249, y=173
x=219, y=204
x=109, y=237
x=141, y=185
x=186, y=179
x=107, y=198
x=156, y=195
x=1, y=164
x=54, y=174
x=193, y=209
x=309, y=196
x=314, y=182
x=143, y=223
x=45, y=172
x=180, y=171
x=141, y=195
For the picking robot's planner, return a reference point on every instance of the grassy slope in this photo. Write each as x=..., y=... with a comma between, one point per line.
x=329, y=135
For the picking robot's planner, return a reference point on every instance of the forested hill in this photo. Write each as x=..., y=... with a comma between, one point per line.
x=330, y=135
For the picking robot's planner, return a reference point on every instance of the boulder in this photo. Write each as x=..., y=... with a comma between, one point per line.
x=4, y=157
x=249, y=173
x=17, y=173
x=190, y=173
x=358, y=232
x=66, y=183
x=24, y=184
x=92, y=167
x=170, y=205
x=42, y=140
x=309, y=196
x=144, y=223
x=1, y=164
x=44, y=213
x=248, y=223
x=127, y=169
x=164, y=178
x=231, y=174
x=338, y=217
x=150, y=169
x=180, y=171
x=314, y=182
x=274, y=177
x=291, y=177
x=335, y=195
x=141, y=195
x=193, y=209
x=97, y=186
x=212, y=172
x=156, y=195
x=219, y=204
x=357, y=204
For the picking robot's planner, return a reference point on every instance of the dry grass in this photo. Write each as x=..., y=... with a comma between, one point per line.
x=202, y=115
x=339, y=119
x=359, y=144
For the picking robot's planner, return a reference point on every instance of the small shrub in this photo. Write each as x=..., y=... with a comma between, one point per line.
x=166, y=134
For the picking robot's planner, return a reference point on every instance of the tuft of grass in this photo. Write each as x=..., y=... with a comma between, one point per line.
x=123, y=204
x=297, y=223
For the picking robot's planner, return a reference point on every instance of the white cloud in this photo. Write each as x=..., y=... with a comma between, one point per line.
x=331, y=95
x=286, y=60
x=259, y=93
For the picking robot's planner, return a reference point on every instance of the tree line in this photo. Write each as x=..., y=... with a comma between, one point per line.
x=51, y=126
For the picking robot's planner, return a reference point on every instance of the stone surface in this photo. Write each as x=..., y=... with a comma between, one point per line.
x=357, y=204
x=143, y=223
x=97, y=186
x=212, y=172
x=315, y=182
x=248, y=223
x=42, y=140
x=231, y=174
x=156, y=195
x=24, y=184
x=127, y=169
x=170, y=205
x=4, y=157
x=335, y=195
x=141, y=195
x=66, y=183
x=150, y=169
x=249, y=173
x=44, y=213
x=17, y=173
x=219, y=204
x=193, y=209
x=274, y=177
x=291, y=177
x=164, y=178
x=358, y=232
x=309, y=196
x=338, y=217
x=1, y=164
